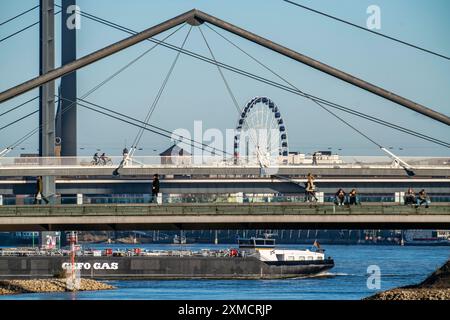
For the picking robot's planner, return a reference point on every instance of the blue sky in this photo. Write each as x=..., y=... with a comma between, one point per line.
x=196, y=91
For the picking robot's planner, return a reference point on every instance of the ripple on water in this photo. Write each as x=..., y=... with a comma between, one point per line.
x=399, y=266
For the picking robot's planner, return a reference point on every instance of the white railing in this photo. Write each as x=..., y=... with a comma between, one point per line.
x=219, y=161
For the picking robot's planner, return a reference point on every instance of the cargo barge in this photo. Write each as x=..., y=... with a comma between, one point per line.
x=253, y=259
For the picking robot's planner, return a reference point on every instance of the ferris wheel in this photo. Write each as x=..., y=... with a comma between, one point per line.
x=261, y=134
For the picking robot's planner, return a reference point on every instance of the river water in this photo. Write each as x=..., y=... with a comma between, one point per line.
x=398, y=266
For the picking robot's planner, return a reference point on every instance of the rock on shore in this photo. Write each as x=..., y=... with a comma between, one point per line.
x=47, y=285
x=412, y=294
x=435, y=287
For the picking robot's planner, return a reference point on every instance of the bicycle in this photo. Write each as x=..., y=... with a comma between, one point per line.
x=106, y=161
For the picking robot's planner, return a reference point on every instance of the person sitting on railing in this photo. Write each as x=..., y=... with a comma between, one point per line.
x=422, y=198
x=339, y=197
x=353, y=197
x=410, y=197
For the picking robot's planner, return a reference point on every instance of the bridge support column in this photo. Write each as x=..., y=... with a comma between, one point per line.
x=240, y=197
x=68, y=109
x=1, y=199
x=47, y=91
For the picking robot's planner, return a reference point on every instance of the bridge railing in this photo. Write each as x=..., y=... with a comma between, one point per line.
x=218, y=161
x=208, y=198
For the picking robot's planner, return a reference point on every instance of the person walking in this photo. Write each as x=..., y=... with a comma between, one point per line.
x=310, y=189
x=314, y=159
x=155, y=188
x=122, y=163
x=125, y=156
x=39, y=196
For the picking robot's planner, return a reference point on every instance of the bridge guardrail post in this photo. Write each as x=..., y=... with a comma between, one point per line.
x=320, y=197
x=240, y=197
x=159, y=198
x=79, y=198
x=399, y=196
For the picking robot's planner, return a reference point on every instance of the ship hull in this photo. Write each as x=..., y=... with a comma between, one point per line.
x=160, y=267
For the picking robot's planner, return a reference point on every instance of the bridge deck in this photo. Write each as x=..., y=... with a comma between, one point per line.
x=222, y=216
x=342, y=170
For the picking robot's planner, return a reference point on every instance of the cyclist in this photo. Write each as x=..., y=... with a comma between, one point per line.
x=104, y=159
x=96, y=159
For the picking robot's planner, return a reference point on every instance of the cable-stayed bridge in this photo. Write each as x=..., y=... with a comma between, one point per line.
x=230, y=173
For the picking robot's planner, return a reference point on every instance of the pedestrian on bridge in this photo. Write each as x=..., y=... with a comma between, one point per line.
x=410, y=197
x=353, y=197
x=39, y=196
x=314, y=159
x=310, y=189
x=423, y=198
x=125, y=156
x=339, y=197
x=155, y=188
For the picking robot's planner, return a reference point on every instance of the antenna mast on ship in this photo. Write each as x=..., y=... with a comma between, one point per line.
x=73, y=275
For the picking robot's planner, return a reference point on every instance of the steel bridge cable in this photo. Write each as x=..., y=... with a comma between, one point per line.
x=17, y=120
x=315, y=101
x=32, y=132
x=261, y=164
x=23, y=29
x=230, y=92
x=209, y=61
x=344, y=121
x=160, y=92
x=17, y=107
x=359, y=114
x=142, y=122
x=329, y=103
x=17, y=16
x=145, y=125
x=368, y=30
x=269, y=82
x=228, y=87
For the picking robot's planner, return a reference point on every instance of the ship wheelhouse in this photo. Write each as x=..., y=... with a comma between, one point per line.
x=256, y=243
x=266, y=251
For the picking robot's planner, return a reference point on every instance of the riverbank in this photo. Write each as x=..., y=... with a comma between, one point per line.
x=435, y=287
x=9, y=287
